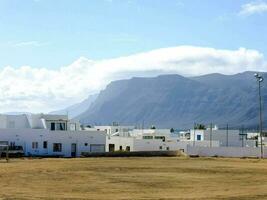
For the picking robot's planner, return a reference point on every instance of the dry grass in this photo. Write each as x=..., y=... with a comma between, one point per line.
x=134, y=178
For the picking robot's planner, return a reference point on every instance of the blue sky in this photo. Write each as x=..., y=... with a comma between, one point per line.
x=54, y=33
x=54, y=53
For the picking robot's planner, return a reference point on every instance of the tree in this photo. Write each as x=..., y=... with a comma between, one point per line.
x=200, y=127
x=153, y=127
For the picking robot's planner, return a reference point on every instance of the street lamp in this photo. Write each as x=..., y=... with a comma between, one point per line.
x=260, y=80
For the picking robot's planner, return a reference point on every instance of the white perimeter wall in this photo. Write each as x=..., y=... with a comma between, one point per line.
x=226, y=151
x=153, y=144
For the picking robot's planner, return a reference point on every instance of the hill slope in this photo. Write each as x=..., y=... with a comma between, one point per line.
x=176, y=101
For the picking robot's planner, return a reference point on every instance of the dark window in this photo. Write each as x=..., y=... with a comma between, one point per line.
x=168, y=148
x=198, y=137
x=147, y=137
x=128, y=148
x=34, y=145
x=160, y=147
x=57, y=147
x=86, y=144
x=160, y=138
x=111, y=147
x=45, y=145
x=53, y=126
x=60, y=126
x=120, y=148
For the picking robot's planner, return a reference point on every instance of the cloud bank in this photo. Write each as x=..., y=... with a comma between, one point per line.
x=42, y=90
x=255, y=7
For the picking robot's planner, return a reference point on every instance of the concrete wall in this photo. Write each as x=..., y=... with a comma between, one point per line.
x=25, y=138
x=226, y=151
x=153, y=144
x=120, y=141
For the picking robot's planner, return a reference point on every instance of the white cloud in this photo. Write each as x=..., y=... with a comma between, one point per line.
x=30, y=43
x=255, y=7
x=42, y=90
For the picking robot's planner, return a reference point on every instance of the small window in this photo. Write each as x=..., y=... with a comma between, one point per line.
x=34, y=145
x=61, y=126
x=73, y=127
x=120, y=148
x=57, y=147
x=86, y=144
x=53, y=126
x=160, y=138
x=128, y=148
x=147, y=137
x=168, y=148
x=45, y=145
x=198, y=137
x=160, y=147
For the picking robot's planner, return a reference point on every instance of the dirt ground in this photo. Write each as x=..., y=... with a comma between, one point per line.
x=134, y=178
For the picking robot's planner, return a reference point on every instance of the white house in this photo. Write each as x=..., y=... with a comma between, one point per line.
x=115, y=129
x=49, y=135
x=151, y=140
x=230, y=138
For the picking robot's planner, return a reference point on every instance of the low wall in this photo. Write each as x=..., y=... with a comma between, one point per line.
x=134, y=154
x=238, y=152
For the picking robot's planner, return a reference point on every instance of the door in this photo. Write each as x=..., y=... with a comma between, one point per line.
x=73, y=150
x=111, y=147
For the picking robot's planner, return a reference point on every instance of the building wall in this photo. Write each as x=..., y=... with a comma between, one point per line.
x=120, y=141
x=153, y=144
x=226, y=151
x=25, y=138
x=232, y=139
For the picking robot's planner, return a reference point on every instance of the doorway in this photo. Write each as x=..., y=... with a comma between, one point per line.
x=73, y=150
x=111, y=147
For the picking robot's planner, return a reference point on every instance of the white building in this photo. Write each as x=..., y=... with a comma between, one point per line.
x=151, y=140
x=49, y=135
x=230, y=138
x=115, y=130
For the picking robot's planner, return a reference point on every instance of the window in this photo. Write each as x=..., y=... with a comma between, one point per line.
x=57, y=147
x=120, y=148
x=45, y=144
x=34, y=145
x=160, y=147
x=128, y=148
x=61, y=126
x=147, y=137
x=198, y=137
x=160, y=138
x=168, y=148
x=73, y=127
x=86, y=144
x=52, y=126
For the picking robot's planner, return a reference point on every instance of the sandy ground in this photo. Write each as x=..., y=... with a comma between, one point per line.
x=134, y=178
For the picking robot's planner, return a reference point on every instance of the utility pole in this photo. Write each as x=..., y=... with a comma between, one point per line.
x=260, y=80
x=242, y=132
x=227, y=135
x=194, y=141
x=210, y=134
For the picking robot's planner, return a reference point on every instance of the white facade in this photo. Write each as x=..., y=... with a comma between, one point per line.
x=230, y=138
x=49, y=135
x=151, y=140
x=115, y=130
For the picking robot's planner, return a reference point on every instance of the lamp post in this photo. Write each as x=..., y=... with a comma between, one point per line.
x=260, y=80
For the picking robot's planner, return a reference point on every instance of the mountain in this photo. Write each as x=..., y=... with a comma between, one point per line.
x=77, y=109
x=176, y=101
